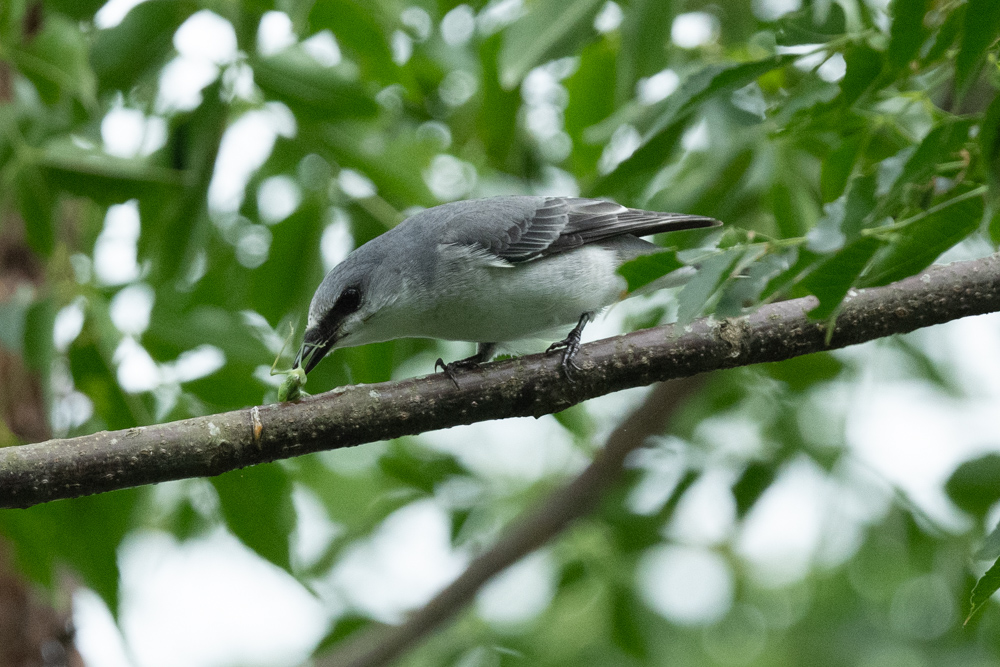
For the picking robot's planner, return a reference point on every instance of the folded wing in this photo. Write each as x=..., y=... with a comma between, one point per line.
x=537, y=226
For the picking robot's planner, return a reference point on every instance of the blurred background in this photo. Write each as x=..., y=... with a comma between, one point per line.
x=177, y=175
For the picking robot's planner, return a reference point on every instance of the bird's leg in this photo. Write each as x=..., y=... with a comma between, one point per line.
x=570, y=346
x=483, y=354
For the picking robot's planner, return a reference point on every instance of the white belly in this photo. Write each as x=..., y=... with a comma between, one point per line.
x=489, y=304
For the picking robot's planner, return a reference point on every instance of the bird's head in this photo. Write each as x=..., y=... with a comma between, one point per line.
x=354, y=291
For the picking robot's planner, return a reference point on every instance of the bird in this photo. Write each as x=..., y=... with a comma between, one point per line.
x=488, y=271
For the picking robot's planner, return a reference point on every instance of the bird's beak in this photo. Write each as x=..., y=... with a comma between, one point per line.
x=315, y=345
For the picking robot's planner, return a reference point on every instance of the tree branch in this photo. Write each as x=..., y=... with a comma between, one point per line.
x=381, y=645
x=532, y=385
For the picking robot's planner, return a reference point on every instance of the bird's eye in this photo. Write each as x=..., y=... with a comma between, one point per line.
x=349, y=300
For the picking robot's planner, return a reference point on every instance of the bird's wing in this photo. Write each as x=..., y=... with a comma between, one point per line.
x=520, y=229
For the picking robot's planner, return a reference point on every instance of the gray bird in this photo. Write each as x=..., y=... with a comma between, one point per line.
x=487, y=271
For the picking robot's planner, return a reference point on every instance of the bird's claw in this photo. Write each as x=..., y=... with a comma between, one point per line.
x=482, y=355
x=460, y=365
x=570, y=347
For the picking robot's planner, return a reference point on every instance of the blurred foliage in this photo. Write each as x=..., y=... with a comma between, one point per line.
x=845, y=144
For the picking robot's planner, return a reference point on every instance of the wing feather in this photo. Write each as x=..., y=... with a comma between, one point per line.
x=520, y=229
x=563, y=223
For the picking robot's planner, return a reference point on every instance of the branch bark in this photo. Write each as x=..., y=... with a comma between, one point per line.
x=532, y=385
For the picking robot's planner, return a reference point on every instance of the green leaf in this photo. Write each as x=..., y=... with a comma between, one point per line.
x=803, y=260
x=55, y=61
x=357, y=499
x=592, y=99
x=946, y=34
x=785, y=216
x=418, y=467
x=231, y=387
x=742, y=294
x=80, y=10
x=226, y=283
x=864, y=64
x=987, y=585
x=990, y=548
x=859, y=205
x=751, y=485
x=101, y=177
x=907, y=33
x=922, y=241
x=498, y=110
x=801, y=27
x=832, y=279
x=710, y=81
x=139, y=44
x=36, y=203
x=580, y=423
x=851, y=213
x=372, y=363
x=631, y=176
x=396, y=166
x=939, y=145
x=186, y=522
x=287, y=280
x=982, y=27
x=643, y=270
x=9, y=117
x=793, y=199
x=723, y=196
x=173, y=328
x=634, y=533
x=921, y=366
x=838, y=166
x=95, y=376
x=175, y=224
x=83, y=534
x=572, y=573
x=358, y=31
x=989, y=142
x=459, y=519
x=626, y=623
x=548, y=30
x=645, y=32
x=256, y=503
x=801, y=373
x=38, y=347
x=310, y=89
x=713, y=271
x=975, y=485
x=346, y=626
x=993, y=227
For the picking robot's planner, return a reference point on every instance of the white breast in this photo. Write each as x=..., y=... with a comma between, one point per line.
x=488, y=301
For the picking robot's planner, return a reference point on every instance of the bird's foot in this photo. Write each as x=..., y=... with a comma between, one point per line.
x=570, y=346
x=469, y=363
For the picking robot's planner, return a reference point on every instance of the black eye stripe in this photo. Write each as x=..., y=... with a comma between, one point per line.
x=348, y=302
